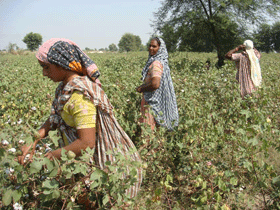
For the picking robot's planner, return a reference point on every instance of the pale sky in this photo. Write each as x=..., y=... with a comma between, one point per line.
x=89, y=23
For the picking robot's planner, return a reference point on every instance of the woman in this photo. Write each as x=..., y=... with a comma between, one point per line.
x=157, y=89
x=247, y=62
x=81, y=111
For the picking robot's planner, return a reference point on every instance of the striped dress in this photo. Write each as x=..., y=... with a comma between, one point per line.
x=155, y=70
x=243, y=75
x=109, y=136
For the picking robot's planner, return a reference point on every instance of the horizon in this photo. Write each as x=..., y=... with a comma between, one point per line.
x=92, y=25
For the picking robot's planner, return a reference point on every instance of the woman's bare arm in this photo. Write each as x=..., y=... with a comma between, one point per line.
x=229, y=53
x=151, y=86
x=86, y=139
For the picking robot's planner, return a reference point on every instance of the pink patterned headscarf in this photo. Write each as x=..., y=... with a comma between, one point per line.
x=67, y=54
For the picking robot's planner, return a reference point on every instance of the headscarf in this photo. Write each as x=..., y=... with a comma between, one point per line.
x=254, y=63
x=163, y=99
x=67, y=54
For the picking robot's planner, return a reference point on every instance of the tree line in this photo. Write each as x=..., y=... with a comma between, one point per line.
x=204, y=26
x=215, y=25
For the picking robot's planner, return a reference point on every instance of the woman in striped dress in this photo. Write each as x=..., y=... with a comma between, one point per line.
x=157, y=88
x=248, y=67
x=81, y=111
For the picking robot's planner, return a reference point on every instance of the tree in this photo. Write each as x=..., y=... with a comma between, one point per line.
x=33, y=40
x=129, y=42
x=11, y=47
x=143, y=48
x=263, y=38
x=213, y=14
x=170, y=37
x=113, y=47
x=275, y=32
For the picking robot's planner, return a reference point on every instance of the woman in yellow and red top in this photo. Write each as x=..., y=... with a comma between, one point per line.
x=81, y=111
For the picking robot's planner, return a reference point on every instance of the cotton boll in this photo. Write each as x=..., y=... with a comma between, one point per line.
x=5, y=142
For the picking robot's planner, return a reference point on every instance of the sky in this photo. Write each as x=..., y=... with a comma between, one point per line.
x=89, y=23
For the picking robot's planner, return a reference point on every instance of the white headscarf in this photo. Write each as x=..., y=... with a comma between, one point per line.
x=254, y=61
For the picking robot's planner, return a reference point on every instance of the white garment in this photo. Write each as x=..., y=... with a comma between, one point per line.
x=254, y=61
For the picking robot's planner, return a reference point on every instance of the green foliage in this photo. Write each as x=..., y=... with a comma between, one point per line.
x=267, y=37
x=33, y=40
x=113, y=47
x=202, y=25
x=275, y=30
x=223, y=155
x=170, y=37
x=263, y=38
x=12, y=47
x=129, y=42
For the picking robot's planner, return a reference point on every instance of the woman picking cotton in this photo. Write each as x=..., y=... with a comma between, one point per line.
x=248, y=67
x=81, y=111
x=158, y=105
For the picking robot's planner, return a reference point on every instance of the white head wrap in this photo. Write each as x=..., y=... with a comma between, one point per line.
x=254, y=61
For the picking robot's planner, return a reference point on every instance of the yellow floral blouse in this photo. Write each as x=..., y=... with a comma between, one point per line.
x=79, y=112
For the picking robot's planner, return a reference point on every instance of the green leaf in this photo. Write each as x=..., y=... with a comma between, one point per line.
x=35, y=166
x=276, y=181
x=16, y=195
x=47, y=192
x=54, y=137
x=49, y=164
x=64, y=155
x=7, y=198
x=55, y=194
x=54, y=172
x=50, y=184
x=204, y=185
x=70, y=205
x=94, y=185
x=180, y=145
x=105, y=199
x=233, y=181
x=218, y=196
x=248, y=165
x=246, y=113
x=158, y=192
x=96, y=175
x=203, y=199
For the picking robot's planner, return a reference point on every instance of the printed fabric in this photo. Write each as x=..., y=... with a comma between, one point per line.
x=163, y=99
x=109, y=136
x=79, y=112
x=67, y=54
x=155, y=70
x=243, y=75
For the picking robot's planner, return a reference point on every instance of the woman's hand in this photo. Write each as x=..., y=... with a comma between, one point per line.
x=26, y=150
x=42, y=133
x=238, y=48
x=138, y=89
x=241, y=47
